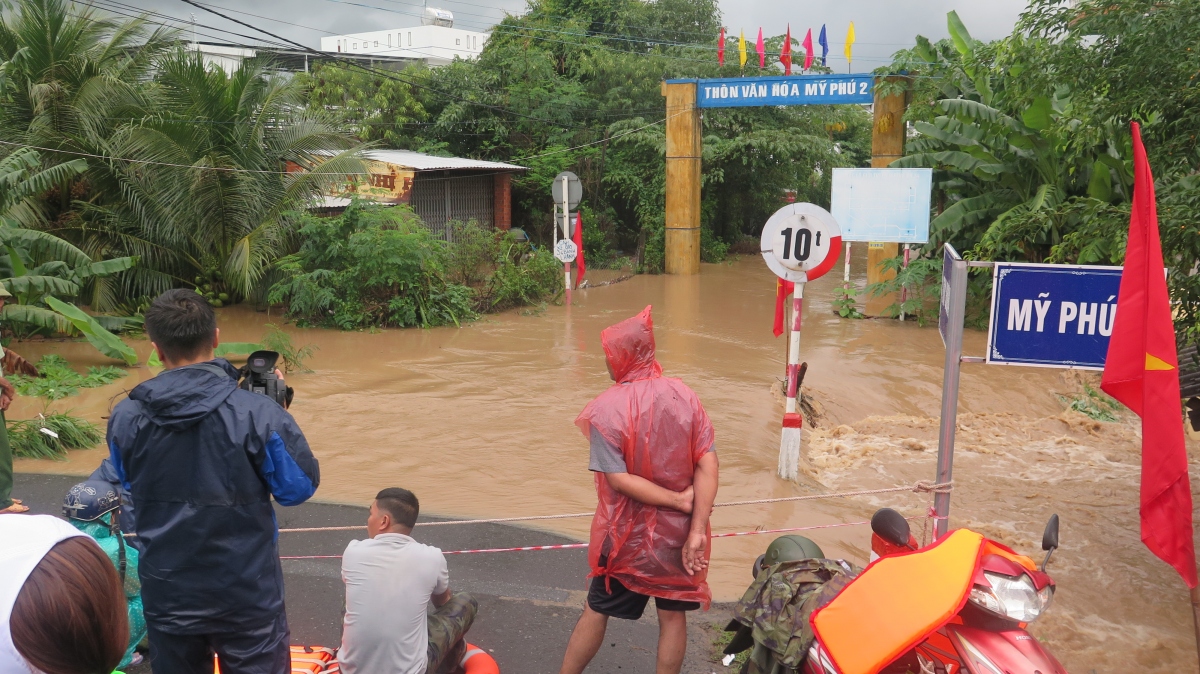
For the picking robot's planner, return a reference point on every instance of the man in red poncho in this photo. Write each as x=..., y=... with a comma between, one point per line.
x=655, y=464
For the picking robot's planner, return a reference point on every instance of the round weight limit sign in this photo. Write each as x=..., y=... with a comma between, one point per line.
x=801, y=242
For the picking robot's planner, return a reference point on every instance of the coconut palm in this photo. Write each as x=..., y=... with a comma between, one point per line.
x=221, y=167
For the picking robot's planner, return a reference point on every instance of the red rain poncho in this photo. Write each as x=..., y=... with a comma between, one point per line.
x=663, y=431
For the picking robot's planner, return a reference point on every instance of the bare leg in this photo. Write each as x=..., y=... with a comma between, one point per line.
x=585, y=641
x=672, y=641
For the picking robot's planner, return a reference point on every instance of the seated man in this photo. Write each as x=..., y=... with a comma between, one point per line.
x=391, y=580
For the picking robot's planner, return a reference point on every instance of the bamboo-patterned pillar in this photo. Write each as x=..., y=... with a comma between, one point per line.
x=683, y=179
x=887, y=145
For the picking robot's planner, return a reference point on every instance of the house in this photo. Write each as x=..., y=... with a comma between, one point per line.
x=435, y=42
x=438, y=189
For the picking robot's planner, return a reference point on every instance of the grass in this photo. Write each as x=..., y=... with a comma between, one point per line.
x=1094, y=404
x=721, y=639
x=30, y=439
x=59, y=380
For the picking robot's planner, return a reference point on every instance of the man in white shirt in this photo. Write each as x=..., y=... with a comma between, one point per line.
x=391, y=581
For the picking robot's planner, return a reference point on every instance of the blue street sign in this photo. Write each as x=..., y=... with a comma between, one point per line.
x=741, y=92
x=1051, y=315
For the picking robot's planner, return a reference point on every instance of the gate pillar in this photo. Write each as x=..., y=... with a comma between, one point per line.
x=682, y=250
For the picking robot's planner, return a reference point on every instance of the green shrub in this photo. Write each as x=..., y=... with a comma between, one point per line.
x=380, y=267
x=294, y=357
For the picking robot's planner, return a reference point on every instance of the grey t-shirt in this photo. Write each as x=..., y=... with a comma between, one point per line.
x=608, y=458
x=389, y=580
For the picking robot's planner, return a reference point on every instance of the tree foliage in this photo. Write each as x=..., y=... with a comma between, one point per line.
x=577, y=86
x=1029, y=135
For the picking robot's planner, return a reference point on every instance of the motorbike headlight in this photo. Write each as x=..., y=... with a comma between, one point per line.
x=1014, y=598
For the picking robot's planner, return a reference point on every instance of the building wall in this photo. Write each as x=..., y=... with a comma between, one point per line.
x=440, y=197
x=435, y=45
x=502, y=198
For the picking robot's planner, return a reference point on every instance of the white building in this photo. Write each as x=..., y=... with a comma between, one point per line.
x=436, y=42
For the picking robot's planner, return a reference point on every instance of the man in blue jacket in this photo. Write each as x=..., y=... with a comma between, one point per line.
x=201, y=459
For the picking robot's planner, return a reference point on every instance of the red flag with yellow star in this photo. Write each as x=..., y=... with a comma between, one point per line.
x=1142, y=371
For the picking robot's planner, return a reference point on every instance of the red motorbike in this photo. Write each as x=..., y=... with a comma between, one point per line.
x=960, y=604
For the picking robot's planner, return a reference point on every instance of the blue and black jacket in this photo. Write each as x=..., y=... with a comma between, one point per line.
x=201, y=459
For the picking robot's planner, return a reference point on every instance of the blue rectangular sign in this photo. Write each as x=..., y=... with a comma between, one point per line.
x=1052, y=315
x=741, y=92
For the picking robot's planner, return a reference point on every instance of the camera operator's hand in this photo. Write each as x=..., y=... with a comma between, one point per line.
x=287, y=401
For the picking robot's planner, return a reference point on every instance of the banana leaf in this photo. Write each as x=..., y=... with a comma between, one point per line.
x=229, y=348
x=39, y=286
x=104, y=341
x=38, y=317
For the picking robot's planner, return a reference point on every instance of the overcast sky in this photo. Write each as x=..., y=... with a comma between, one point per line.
x=882, y=26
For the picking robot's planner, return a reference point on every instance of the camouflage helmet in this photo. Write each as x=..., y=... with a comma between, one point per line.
x=791, y=548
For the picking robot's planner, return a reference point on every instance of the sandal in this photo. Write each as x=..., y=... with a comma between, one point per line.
x=15, y=508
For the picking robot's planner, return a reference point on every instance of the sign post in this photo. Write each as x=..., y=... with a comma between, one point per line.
x=950, y=325
x=567, y=191
x=800, y=242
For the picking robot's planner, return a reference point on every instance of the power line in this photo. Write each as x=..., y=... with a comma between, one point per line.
x=225, y=169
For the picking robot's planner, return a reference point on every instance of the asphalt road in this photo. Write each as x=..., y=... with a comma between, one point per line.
x=528, y=601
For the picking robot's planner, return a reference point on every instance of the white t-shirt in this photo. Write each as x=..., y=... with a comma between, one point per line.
x=389, y=580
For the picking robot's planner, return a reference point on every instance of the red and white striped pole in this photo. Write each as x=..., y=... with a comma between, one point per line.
x=789, y=443
x=566, y=235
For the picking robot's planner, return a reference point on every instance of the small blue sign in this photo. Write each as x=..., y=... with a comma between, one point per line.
x=741, y=92
x=1051, y=315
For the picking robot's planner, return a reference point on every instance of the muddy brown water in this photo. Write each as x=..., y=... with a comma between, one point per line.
x=478, y=421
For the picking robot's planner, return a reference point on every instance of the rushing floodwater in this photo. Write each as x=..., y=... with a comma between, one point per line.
x=478, y=421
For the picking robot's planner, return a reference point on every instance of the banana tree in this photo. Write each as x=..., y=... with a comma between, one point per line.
x=39, y=269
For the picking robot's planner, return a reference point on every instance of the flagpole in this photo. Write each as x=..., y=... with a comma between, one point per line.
x=1195, y=596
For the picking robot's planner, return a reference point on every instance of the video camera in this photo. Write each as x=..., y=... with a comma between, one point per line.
x=258, y=376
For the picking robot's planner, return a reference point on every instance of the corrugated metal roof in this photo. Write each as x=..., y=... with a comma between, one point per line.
x=427, y=162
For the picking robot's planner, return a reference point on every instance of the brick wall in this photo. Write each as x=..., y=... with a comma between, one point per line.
x=502, y=213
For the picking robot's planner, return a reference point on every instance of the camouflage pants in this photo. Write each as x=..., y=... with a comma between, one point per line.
x=447, y=627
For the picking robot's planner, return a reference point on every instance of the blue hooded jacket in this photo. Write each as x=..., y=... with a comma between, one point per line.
x=201, y=459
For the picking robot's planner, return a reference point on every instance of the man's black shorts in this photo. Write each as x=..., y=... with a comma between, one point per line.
x=625, y=603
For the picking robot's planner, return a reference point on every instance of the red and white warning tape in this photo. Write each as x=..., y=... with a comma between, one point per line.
x=922, y=487
x=574, y=546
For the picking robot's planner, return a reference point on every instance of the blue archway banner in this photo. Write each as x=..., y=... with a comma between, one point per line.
x=741, y=92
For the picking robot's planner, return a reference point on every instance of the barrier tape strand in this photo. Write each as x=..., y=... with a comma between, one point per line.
x=922, y=487
x=573, y=546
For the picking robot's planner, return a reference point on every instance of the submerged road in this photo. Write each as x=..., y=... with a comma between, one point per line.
x=528, y=601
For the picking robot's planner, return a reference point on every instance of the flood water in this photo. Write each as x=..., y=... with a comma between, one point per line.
x=478, y=421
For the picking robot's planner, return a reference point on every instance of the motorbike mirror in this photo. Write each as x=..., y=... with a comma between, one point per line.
x=890, y=526
x=1050, y=537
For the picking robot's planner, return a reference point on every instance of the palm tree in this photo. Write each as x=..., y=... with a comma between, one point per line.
x=222, y=167
x=70, y=80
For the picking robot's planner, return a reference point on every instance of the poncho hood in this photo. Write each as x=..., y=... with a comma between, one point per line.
x=629, y=348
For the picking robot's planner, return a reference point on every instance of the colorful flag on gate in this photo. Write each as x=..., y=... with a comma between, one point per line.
x=578, y=239
x=808, y=50
x=762, y=50
x=850, y=43
x=785, y=53
x=721, y=48
x=1142, y=371
x=742, y=48
x=782, y=290
x=824, y=42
